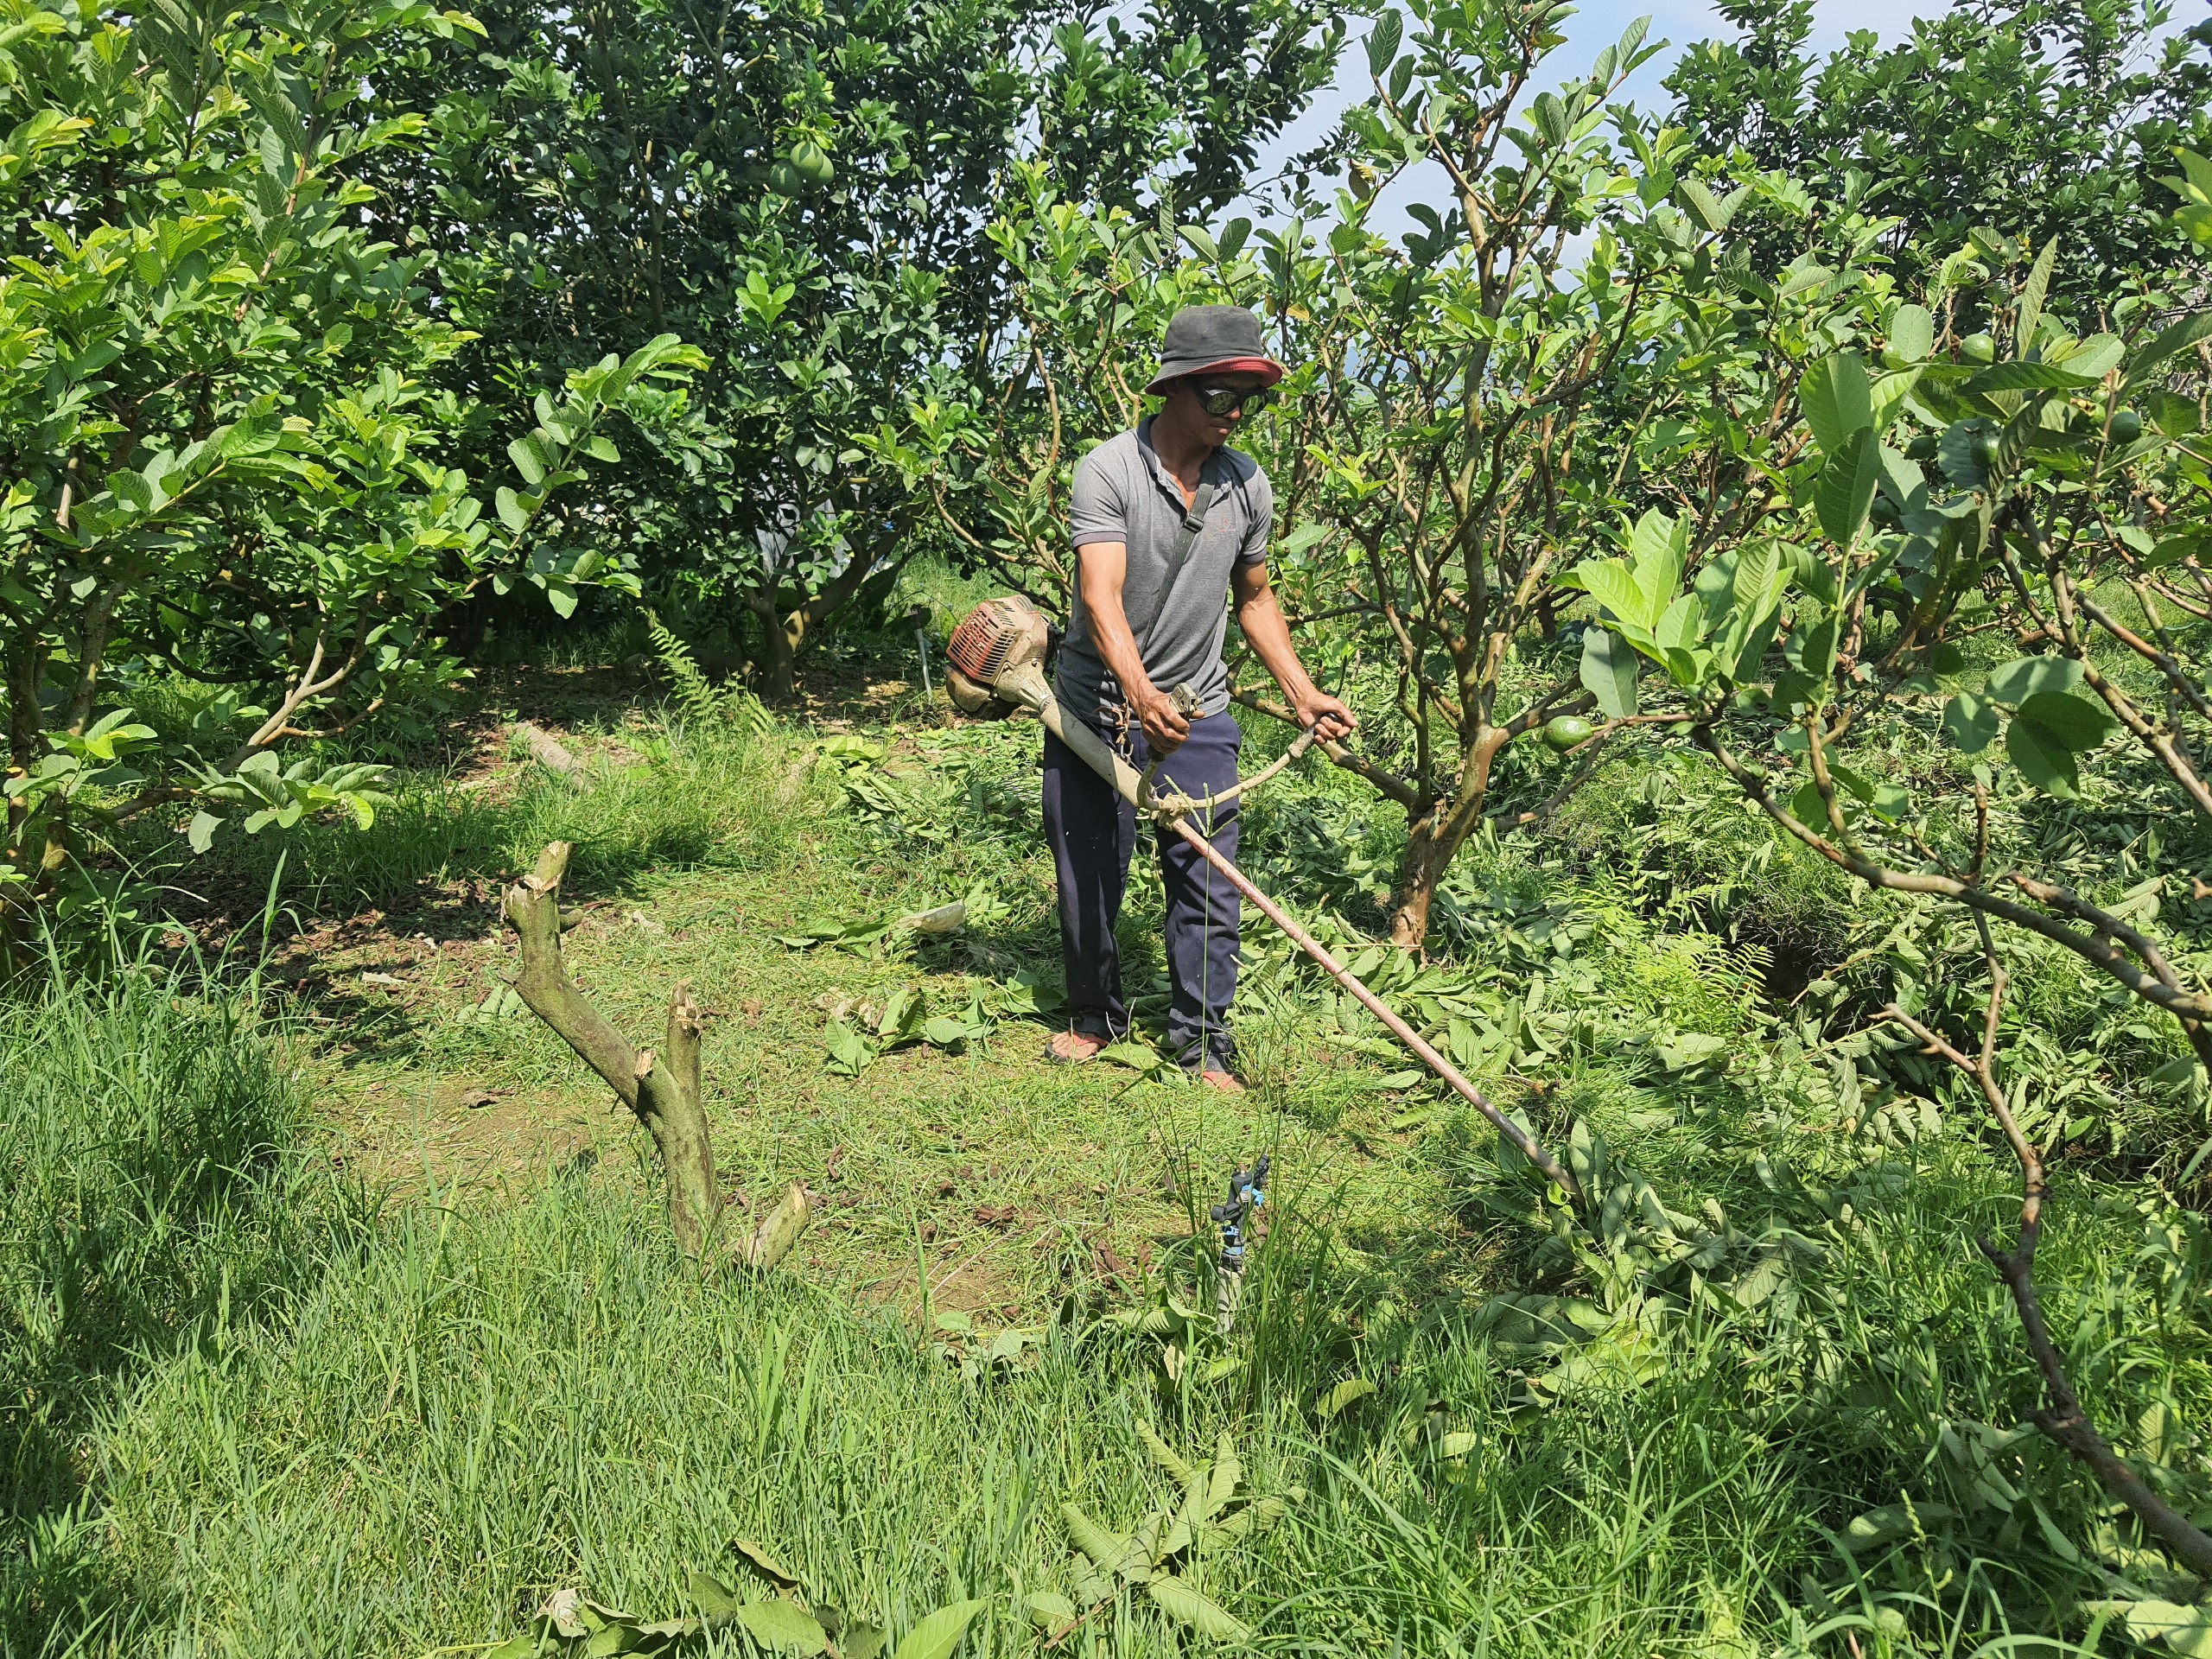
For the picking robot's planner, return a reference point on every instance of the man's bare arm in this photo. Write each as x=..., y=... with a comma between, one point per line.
x=1268, y=634
x=1101, y=568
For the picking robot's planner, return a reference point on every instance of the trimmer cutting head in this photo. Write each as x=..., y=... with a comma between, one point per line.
x=999, y=638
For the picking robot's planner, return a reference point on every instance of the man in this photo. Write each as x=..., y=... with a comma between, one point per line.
x=1165, y=519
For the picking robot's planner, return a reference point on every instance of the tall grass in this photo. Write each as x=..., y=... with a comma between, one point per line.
x=718, y=798
x=246, y=1416
x=480, y=1409
x=146, y=1205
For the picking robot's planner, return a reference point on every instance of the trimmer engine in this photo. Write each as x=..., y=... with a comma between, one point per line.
x=998, y=658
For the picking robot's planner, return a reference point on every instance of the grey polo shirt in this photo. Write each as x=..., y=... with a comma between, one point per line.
x=1124, y=494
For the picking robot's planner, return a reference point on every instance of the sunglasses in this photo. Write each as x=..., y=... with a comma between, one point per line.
x=1229, y=400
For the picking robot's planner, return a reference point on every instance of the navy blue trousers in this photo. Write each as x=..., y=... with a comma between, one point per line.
x=1093, y=833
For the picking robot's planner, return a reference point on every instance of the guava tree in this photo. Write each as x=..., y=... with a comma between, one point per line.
x=2028, y=119
x=2042, y=488
x=2053, y=496
x=222, y=465
x=1088, y=292
x=804, y=192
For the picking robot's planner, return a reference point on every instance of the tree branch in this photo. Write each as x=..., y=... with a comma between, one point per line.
x=1387, y=782
x=2063, y=1420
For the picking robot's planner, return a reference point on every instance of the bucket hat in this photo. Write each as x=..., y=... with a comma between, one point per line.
x=1222, y=339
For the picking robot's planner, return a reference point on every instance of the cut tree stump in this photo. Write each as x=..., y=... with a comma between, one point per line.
x=662, y=1089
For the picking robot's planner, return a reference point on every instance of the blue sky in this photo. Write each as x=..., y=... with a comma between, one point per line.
x=1593, y=27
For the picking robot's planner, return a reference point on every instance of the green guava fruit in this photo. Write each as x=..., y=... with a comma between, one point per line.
x=1563, y=732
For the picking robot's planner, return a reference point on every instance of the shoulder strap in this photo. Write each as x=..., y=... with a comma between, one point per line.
x=1194, y=522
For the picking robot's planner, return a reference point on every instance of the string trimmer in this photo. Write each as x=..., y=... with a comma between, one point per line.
x=998, y=663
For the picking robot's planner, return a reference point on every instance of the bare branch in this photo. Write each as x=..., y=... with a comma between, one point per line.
x=2063, y=1420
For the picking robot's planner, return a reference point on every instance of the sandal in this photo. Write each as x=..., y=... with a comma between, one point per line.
x=1227, y=1082
x=1072, y=1048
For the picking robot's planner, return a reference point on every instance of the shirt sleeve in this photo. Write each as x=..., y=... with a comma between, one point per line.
x=1097, y=511
x=1255, y=550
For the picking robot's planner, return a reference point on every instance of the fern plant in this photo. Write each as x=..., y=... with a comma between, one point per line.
x=698, y=701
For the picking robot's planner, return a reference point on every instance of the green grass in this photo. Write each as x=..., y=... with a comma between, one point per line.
x=250, y=1414
x=437, y=1428
x=154, y=1197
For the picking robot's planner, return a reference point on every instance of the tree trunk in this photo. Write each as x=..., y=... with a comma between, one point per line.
x=784, y=634
x=778, y=653
x=670, y=1103
x=1419, y=868
x=1434, y=836
x=663, y=1089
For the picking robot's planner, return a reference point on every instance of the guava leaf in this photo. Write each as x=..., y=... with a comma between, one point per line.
x=1902, y=479
x=1955, y=452
x=783, y=1627
x=711, y=1596
x=1166, y=1455
x=945, y=1031
x=1613, y=585
x=2026, y=677
x=935, y=1636
x=1811, y=651
x=1137, y=1056
x=1334, y=1402
x=1609, y=671
x=2168, y=342
x=850, y=1052
x=1181, y=1602
x=1660, y=546
x=1678, y=626
x=2184, y=1630
x=2042, y=759
x=1846, y=489
x=1382, y=41
x=902, y=1017
x=1912, y=336
x=1851, y=791
x=2032, y=292
x=1712, y=212
x=1837, y=398
x=1854, y=783
x=1104, y=1548
x=756, y=1556
x=2074, y=724
x=1049, y=1609
x=1970, y=722
x=2029, y=377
